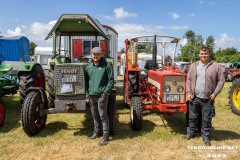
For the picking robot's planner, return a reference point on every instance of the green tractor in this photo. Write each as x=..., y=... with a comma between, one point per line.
x=17, y=75
x=66, y=77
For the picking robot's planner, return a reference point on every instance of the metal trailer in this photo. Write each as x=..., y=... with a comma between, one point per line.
x=14, y=48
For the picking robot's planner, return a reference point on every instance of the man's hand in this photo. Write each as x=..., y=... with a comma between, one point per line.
x=87, y=100
x=212, y=97
x=189, y=97
x=103, y=95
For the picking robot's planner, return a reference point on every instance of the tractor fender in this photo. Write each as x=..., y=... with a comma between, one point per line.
x=27, y=66
x=42, y=93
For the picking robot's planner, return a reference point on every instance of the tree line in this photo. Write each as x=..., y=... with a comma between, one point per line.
x=190, y=51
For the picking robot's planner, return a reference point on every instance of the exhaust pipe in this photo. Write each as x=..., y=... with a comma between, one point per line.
x=154, y=53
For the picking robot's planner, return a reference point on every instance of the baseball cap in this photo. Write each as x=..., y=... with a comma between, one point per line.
x=96, y=50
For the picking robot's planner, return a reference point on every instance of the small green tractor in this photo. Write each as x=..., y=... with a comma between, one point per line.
x=66, y=77
x=17, y=75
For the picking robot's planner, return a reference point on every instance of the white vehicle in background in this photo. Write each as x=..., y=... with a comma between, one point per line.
x=43, y=59
x=182, y=65
x=142, y=59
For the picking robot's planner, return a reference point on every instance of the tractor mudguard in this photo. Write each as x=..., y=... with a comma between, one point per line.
x=42, y=93
x=27, y=66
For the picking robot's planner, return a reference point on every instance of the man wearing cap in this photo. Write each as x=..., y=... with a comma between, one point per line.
x=205, y=81
x=99, y=83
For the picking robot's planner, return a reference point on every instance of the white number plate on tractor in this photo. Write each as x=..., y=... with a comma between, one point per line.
x=69, y=78
x=173, y=97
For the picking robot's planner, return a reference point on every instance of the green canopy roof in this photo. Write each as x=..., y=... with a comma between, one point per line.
x=77, y=25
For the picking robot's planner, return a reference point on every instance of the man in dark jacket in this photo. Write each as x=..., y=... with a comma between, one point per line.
x=99, y=83
x=205, y=81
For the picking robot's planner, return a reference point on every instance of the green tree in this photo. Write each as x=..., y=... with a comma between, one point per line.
x=227, y=55
x=190, y=51
x=32, y=47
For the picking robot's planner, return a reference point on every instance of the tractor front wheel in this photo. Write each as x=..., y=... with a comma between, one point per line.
x=2, y=113
x=136, y=113
x=32, y=114
x=234, y=97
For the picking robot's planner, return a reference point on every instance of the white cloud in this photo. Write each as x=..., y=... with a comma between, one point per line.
x=16, y=32
x=120, y=13
x=178, y=27
x=126, y=30
x=174, y=15
x=36, y=33
x=225, y=41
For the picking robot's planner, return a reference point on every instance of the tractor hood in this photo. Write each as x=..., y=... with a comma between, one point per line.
x=77, y=25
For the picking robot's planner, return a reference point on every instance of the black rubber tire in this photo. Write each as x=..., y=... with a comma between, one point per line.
x=2, y=112
x=50, y=89
x=111, y=112
x=136, y=113
x=233, y=94
x=32, y=122
x=132, y=83
x=34, y=78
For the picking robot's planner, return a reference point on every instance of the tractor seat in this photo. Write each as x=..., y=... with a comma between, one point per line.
x=6, y=67
x=149, y=65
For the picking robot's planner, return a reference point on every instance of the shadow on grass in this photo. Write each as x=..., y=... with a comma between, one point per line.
x=12, y=114
x=219, y=135
x=121, y=130
x=52, y=128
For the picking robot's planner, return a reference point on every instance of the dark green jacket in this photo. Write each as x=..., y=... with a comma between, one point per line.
x=99, y=79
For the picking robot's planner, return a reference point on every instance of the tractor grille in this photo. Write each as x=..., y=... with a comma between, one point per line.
x=177, y=91
x=69, y=79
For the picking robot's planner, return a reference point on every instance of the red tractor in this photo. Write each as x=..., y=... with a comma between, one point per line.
x=162, y=88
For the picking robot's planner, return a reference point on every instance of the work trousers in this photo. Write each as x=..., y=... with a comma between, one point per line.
x=98, y=107
x=204, y=107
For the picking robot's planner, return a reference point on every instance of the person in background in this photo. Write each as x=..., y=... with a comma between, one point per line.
x=99, y=83
x=205, y=80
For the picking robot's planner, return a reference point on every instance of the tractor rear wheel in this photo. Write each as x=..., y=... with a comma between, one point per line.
x=136, y=113
x=50, y=83
x=111, y=112
x=234, y=97
x=34, y=78
x=32, y=114
x=2, y=112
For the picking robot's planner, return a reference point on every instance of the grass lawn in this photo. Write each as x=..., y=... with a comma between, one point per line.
x=65, y=136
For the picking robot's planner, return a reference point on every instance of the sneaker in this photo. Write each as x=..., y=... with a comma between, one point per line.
x=188, y=137
x=94, y=135
x=104, y=141
x=207, y=141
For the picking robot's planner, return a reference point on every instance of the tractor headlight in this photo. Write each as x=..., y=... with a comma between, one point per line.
x=180, y=89
x=167, y=88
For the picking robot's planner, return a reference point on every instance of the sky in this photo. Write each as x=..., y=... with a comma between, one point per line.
x=218, y=18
